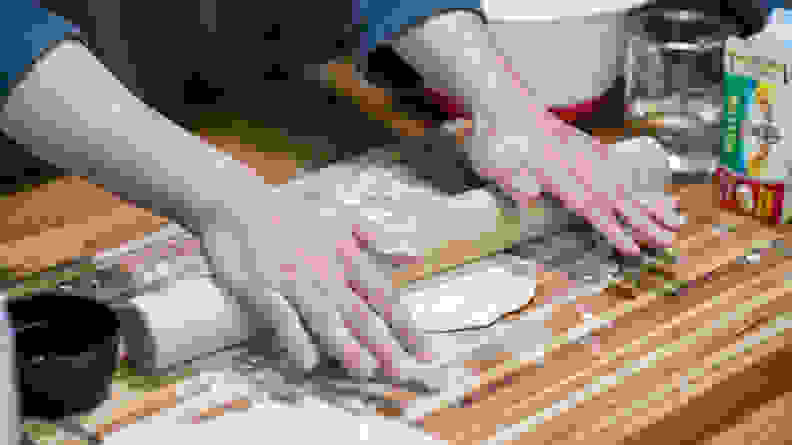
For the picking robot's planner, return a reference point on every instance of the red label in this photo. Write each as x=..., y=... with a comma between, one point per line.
x=768, y=199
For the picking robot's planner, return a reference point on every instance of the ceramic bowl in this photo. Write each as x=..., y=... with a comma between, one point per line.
x=569, y=54
x=66, y=351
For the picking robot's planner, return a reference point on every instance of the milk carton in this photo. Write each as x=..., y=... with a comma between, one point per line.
x=754, y=173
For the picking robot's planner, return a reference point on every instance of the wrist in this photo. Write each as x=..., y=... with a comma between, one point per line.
x=218, y=187
x=454, y=52
x=540, y=130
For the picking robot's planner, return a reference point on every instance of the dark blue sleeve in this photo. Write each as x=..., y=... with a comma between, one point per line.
x=772, y=4
x=27, y=32
x=385, y=19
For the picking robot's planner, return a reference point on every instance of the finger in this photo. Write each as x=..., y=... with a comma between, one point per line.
x=642, y=238
x=270, y=305
x=377, y=291
x=603, y=218
x=527, y=188
x=664, y=209
x=288, y=328
x=370, y=242
x=519, y=184
x=318, y=299
x=599, y=205
x=375, y=286
x=364, y=238
x=373, y=334
x=501, y=176
x=393, y=320
x=231, y=262
x=596, y=210
x=376, y=336
x=385, y=237
x=641, y=223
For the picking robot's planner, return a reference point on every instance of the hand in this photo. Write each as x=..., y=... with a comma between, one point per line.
x=299, y=260
x=580, y=172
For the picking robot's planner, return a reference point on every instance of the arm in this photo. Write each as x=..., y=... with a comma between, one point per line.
x=520, y=144
x=454, y=52
x=66, y=108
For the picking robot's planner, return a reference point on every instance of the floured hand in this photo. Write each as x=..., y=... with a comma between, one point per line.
x=298, y=263
x=587, y=177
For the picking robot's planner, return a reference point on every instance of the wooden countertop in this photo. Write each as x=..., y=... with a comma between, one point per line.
x=721, y=402
x=71, y=217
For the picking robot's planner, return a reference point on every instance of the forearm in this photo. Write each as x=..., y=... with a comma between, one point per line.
x=455, y=52
x=72, y=112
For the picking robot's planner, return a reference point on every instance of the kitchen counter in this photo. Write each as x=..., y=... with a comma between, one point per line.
x=71, y=217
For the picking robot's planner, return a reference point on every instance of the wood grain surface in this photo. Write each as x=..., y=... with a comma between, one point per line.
x=733, y=396
x=745, y=398
x=720, y=399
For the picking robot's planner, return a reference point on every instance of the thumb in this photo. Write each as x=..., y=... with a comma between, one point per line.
x=527, y=188
x=230, y=258
x=519, y=184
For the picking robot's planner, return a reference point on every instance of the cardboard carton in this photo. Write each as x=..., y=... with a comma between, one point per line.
x=755, y=153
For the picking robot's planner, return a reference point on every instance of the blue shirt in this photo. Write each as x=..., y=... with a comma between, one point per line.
x=386, y=19
x=28, y=31
x=772, y=4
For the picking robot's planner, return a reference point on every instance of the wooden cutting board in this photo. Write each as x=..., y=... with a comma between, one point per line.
x=716, y=398
x=741, y=398
x=71, y=217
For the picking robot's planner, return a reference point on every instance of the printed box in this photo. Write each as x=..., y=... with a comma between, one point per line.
x=755, y=155
x=757, y=101
x=767, y=200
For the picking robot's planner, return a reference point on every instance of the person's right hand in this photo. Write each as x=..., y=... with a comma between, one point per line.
x=576, y=169
x=298, y=262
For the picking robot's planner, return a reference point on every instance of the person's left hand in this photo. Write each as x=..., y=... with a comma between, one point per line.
x=569, y=173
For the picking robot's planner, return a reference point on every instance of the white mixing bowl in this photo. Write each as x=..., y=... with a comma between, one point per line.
x=569, y=50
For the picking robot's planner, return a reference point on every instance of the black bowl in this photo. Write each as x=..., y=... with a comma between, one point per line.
x=66, y=352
